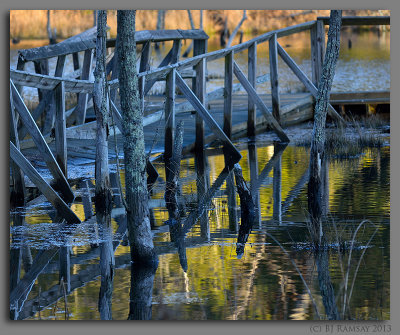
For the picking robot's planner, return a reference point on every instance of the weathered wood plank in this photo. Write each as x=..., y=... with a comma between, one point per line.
x=51, y=195
x=273, y=65
x=252, y=72
x=228, y=83
x=187, y=92
x=60, y=182
x=60, y=133
x=304, y=79
x=80, y=111
x=260, y=104
x=360, y=97
x=24, y=78
x=359, y=20
x=81, y=42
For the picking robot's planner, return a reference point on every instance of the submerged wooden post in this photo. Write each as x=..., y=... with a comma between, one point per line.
x=273, y=64
x=277, y=190
x=317, y=50
x=199, y=88
x=60, y=132
x=252, y=74
x=228, y=107
x=169, y=119
x=255, y=191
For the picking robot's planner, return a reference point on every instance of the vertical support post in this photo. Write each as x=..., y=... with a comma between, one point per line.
x=317, y=50
x=273, y=63
x=145, y=58
x=169, y=120
x=252, y=68
x=228, y=94
x=231, y=194
x=199, y=86
x=42, y=67
x=20, y=66
x=141, y=84
x=60, y=132
x=277, y=189
x=80, y=112
x=18, y=188
x=117, y=196
x=114, y=74
x=75, y=60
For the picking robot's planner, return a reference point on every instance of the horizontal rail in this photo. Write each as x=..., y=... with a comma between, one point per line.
x=360, y=20
x=87, y=40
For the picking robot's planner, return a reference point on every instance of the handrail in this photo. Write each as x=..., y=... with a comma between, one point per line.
x=359, y=20
x=87, y=40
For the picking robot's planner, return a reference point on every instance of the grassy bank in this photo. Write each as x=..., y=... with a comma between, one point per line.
x=31, y=24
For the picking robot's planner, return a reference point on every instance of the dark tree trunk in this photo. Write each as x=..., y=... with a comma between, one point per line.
x=317, y=155
x=103, y=197
x=140, y=237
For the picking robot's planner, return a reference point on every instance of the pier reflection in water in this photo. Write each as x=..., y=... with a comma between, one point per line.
x=211, y=266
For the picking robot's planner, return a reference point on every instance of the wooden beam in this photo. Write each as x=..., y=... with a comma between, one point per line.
x=228, y=83
x=260, y=104
x=24, y=78
x=273, y=65
x=209, y=120
x=307, y=82
x=359, y=20
x=51, y=195
x=252, y=73
x=360, y=97
x=61, y=182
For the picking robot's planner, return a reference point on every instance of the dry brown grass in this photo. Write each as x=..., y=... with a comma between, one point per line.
x=31, y=24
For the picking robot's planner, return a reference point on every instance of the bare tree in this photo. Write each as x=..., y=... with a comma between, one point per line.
x=244, y=18
x=140, y=237
x=317, y=155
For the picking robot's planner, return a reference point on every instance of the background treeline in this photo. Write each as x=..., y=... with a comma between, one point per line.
x=32, y=24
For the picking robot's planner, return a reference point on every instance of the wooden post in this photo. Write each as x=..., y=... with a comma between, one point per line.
x=17, y=197
x=80, y=111
x=60, y=132
x=317, y=50
x=20, y=66
x=273, y=64
x=231, y=195
x=86, y=199
x=252, y=73
x=169, y=119
x=42, y=67
x=145, y=58
x=199, y=88
x=75, y=60
x=51, y=114
x=228, y=107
